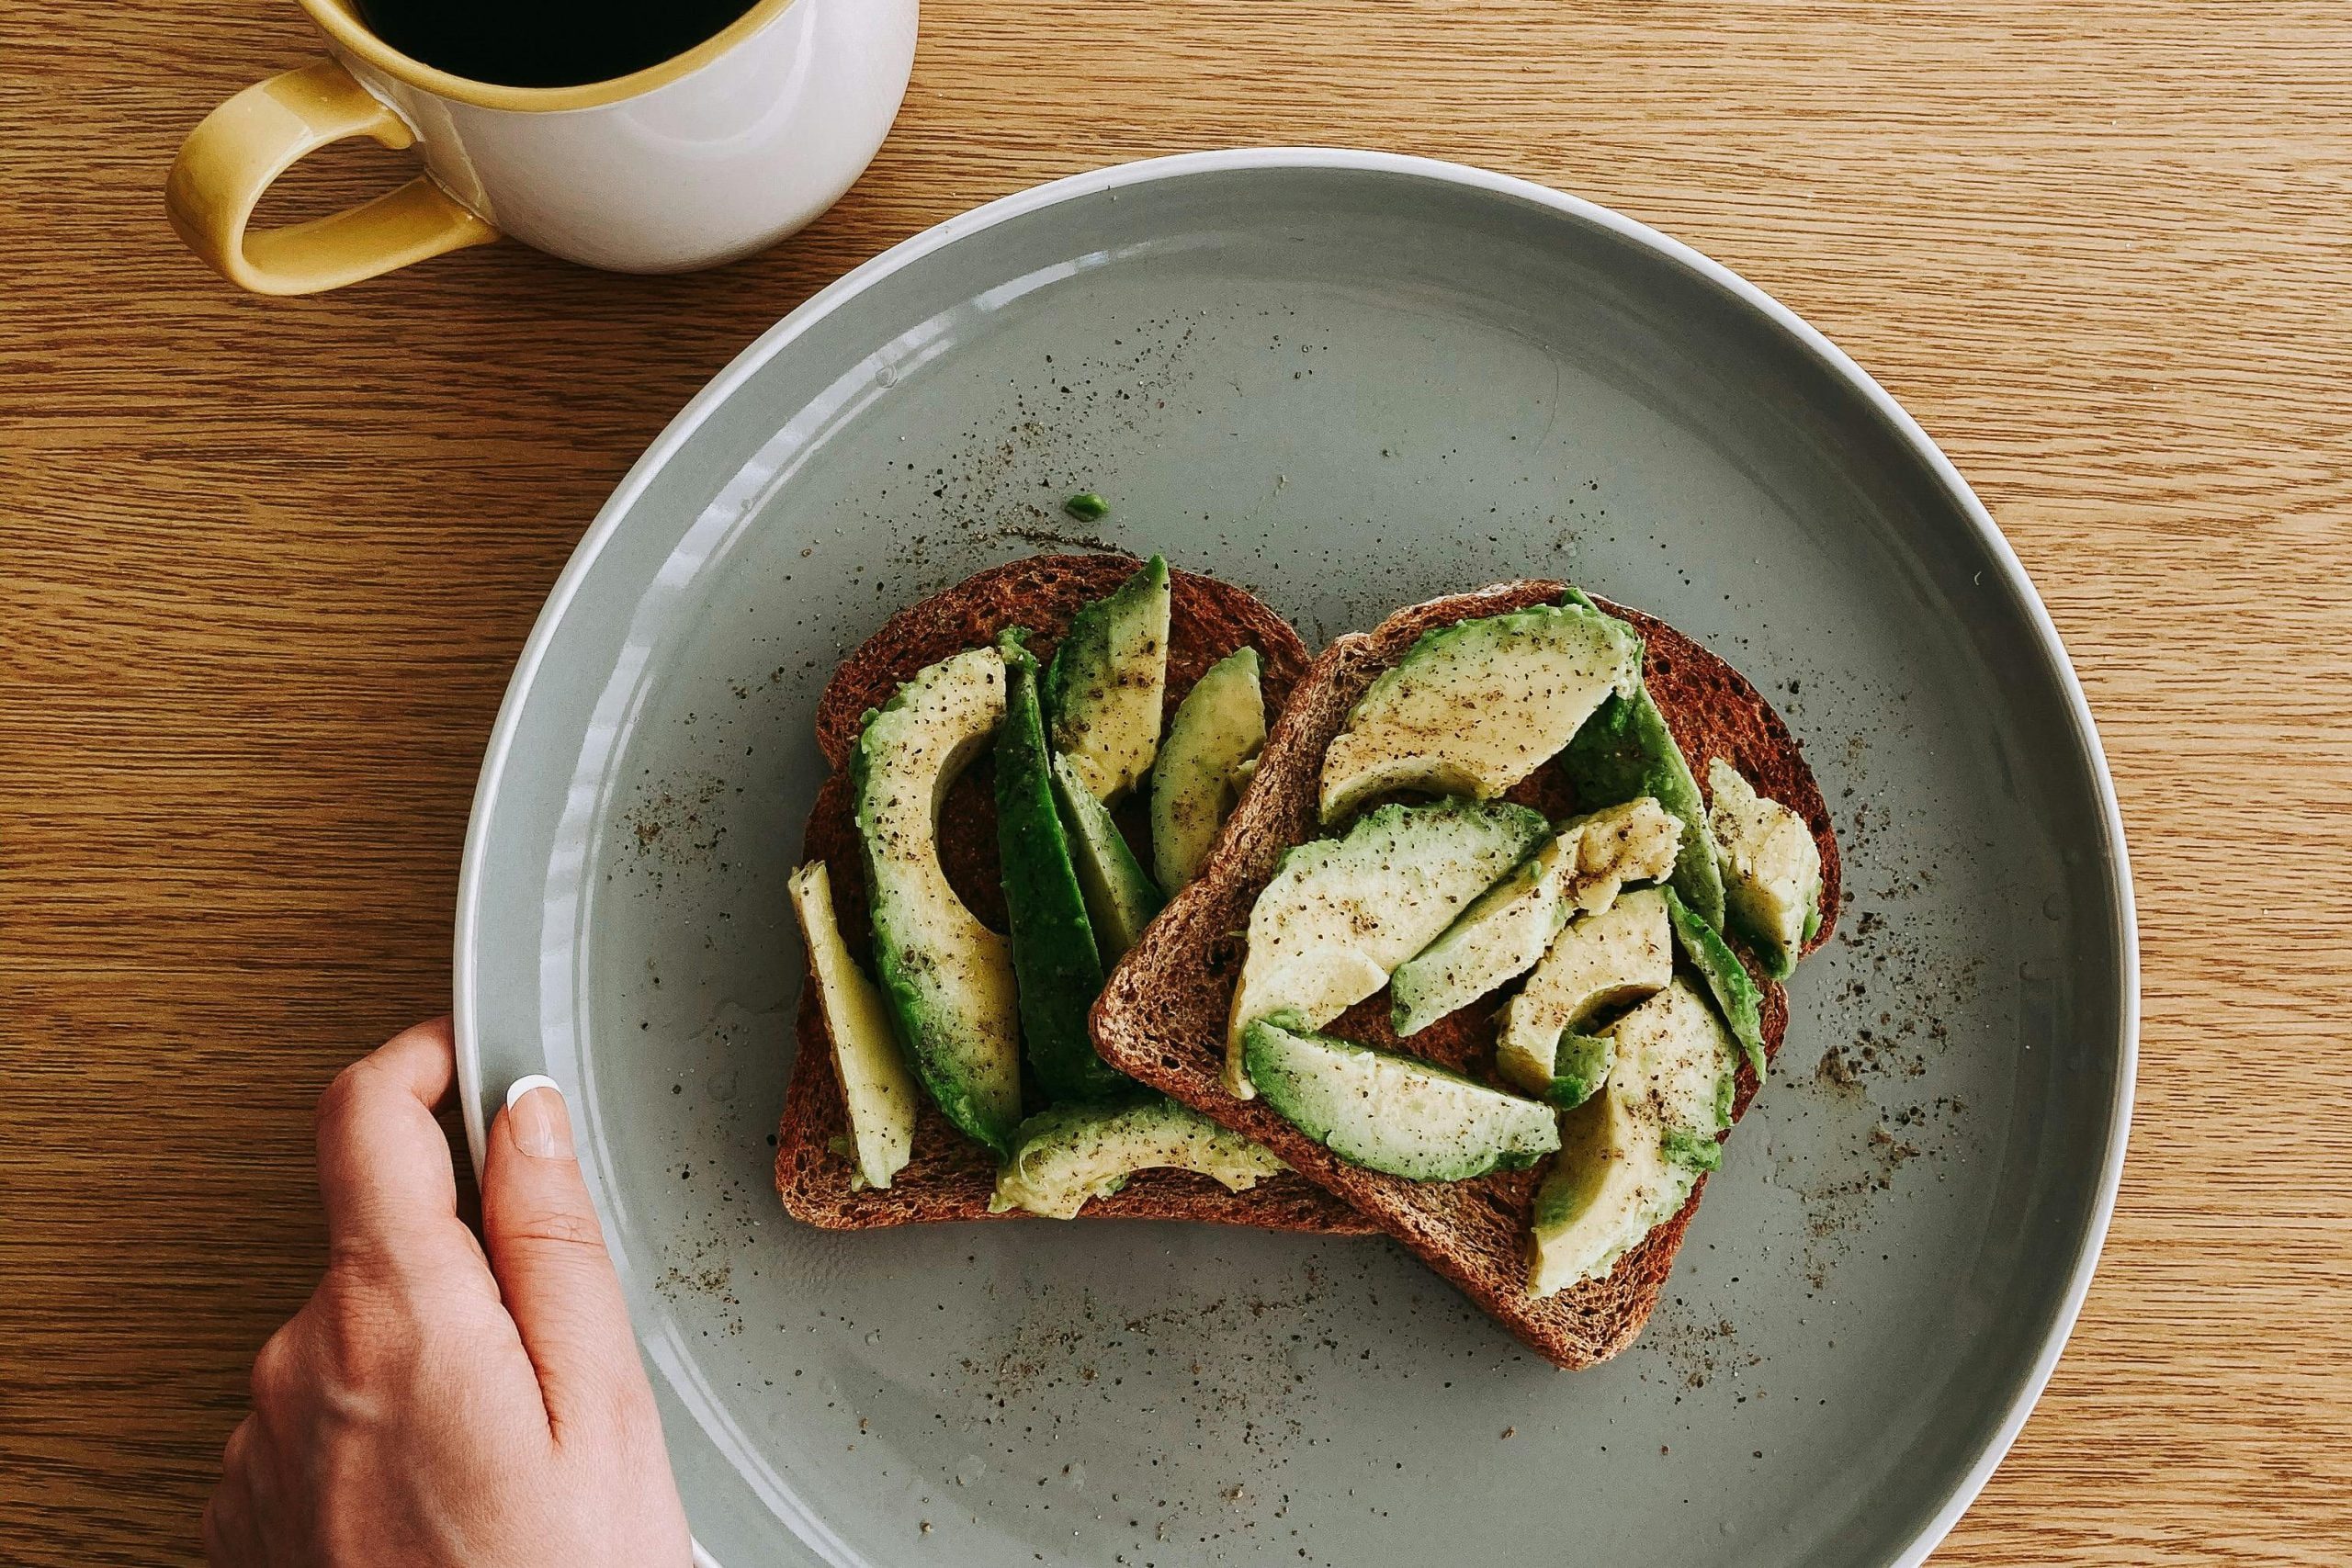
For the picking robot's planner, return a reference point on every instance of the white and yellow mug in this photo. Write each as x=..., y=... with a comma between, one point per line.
x=703, y=158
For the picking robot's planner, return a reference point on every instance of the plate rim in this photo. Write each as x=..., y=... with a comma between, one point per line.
x=1178, y=166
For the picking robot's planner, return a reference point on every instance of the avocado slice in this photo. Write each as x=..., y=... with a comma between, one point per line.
x=1508, y=928
x=1474, y=707
x=1638, y=840
x=1622, y=955
x=1392, y=1112
x=1107, y=681
x=1339, y=914
x=1120, y=899
x=1624, y=751
x=1610, y=1187
x=875, y=1086
x=1675, y=1058
x=1630, y=1155
x=1578, y=1069
x=1500, y=935
x=1066, y=1156
x=947, y=978
x=1726, y=977
x=1054, y=955
x=1772, y=869
x=1220, y=723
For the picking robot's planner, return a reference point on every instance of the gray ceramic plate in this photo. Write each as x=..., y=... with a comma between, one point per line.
x=1348, y=381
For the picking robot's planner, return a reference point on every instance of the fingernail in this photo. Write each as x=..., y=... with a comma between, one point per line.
x=536, y=1118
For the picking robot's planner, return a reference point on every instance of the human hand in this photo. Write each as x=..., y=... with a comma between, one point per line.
x=434, y=1407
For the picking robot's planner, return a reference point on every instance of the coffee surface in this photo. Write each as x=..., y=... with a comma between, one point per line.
x=543, y=43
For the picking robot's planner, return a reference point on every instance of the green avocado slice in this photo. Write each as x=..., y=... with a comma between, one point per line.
x=1106, y=684
x=1502, y=934
x=1626, y=750
x=1579, y=1068
x=1338, y=914
x=1629, y=1155
x=948, y=978
x=1388, y=1111
x=1727, y=980
x=1513, y=923
x=1120, y=899
x=1622, y=955
x=1475, y=706
x=877, y=1090
x=1771, y=869
x=1054, y=954
x=1220, y=725
x=1065, y=1156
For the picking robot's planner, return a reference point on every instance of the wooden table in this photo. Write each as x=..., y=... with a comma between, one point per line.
x=264, y=567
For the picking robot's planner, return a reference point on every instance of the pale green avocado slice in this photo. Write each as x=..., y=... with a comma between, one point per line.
x=1579, y=1067
x=1220, y=725
x=1771, y=869
x=1502, y=934
x=1394, y=1113
x=1513, y=922
x=875, y=1086
x=1064, y=1157
x=1625, y=751
x=948, y=978
x=1107, y=681
x=1610, y=1186
x=1635, y=840
x=1727, y=980
x=1474, y=707
x=1601, y=960
x=1631, y=1155
x=1054, y=954
x=1120, y=899
x=1340, y=914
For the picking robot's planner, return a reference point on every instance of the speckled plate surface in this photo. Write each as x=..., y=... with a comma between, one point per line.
x=1348, y=381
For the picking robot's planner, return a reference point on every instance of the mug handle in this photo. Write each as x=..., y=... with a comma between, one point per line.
x=230, y=159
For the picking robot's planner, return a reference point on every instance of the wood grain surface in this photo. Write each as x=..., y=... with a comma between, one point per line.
x=264, y=566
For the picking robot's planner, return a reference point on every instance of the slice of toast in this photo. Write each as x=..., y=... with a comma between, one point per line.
x=950, y=1177
x=1161, y=1017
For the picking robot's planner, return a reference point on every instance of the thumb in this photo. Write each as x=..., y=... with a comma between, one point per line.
x=549, y=1254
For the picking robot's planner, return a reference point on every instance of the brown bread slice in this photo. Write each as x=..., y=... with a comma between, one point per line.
x=1161, y=1017
x=950, y=1177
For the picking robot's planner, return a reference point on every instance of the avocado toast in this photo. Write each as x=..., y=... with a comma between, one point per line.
x=1215, y=1007
x=1034, y=777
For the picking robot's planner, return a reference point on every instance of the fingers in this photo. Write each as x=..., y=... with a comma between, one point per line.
x=384, y=1171
x=278, y=1365
x=229, y=1536
x=549, y=1254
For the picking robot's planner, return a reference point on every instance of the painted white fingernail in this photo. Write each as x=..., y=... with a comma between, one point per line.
x=522, y=1087
x=537, y=1120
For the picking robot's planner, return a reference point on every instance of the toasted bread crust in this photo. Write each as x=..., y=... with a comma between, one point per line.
x=1161, y=1015
x=950, y=1177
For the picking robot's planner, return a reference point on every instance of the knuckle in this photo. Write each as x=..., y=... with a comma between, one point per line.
x=564, y=1230
x=233, y=1450
x=365, y=1335
x=341, y=1099
x=276, y=1366
x=237, y=1453
x=366, y=1264
x=220, y=1520
x=432, y=1030
x=359, y=1261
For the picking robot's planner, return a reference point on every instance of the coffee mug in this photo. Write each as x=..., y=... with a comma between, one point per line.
x=703, y=158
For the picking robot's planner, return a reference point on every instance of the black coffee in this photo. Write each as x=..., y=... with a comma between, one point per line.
x=546, y=43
